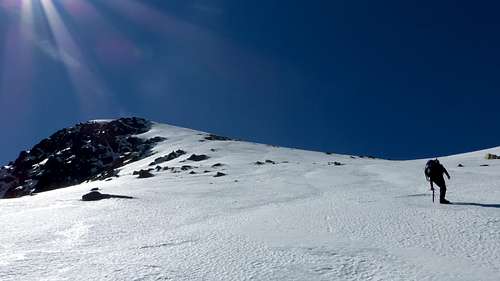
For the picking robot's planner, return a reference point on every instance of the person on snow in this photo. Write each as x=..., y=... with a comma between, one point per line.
x=434, y=173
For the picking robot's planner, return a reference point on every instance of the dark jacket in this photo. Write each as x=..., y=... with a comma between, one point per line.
x=437, y=171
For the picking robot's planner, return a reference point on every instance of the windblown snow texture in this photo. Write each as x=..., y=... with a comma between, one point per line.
x=276, y=214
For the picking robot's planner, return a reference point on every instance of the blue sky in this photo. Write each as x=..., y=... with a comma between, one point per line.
x=394, y=79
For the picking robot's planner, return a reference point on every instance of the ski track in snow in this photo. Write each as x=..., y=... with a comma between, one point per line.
x=299, y=220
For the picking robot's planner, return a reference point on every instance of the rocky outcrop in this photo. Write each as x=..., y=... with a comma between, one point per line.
x=143, y=174
x=87, y=151
x=213, y=137
x=171, y=156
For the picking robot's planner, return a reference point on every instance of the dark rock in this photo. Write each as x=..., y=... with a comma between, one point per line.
x=213, y=137
x=107, y=174
x=217, y=165
x=328, y=153
x=186, y=167
x=94, y=189
x=490, y=156
x=192, y=173
x=156, y=139
x=265, y=162
x=219, y=174
x=96, y=196
x=460, y=165
x=206, y=171
x=336, y=163
x=485, y=165
x=197, y=158
x=158, y=168
x=171, y=156
x=142, y=174
x=369, y=157
x=87, y=151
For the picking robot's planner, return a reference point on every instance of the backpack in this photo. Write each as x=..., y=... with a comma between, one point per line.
x=429, y=168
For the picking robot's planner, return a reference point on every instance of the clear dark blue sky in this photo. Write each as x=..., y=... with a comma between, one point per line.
x=394, y=79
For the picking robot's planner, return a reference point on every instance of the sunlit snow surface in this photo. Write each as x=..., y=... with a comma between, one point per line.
x=300, y=219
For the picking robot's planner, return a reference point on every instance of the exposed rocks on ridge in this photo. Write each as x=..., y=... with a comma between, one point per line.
x=87, y=151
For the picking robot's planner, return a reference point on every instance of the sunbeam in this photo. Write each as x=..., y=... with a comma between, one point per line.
x=93, y=95
x=27, y=16
x=94, y=52
x=112, y=47
x=16, y=73
x=27, y=25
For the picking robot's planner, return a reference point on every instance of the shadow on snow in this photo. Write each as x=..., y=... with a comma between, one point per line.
x=477, y=204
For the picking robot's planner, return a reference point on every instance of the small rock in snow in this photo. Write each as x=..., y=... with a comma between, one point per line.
x=219, y=174
x=197, y=158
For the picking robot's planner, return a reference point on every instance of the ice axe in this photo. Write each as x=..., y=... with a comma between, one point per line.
x=432, y=188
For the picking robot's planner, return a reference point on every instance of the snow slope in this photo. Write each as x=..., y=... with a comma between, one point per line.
x=298, y=219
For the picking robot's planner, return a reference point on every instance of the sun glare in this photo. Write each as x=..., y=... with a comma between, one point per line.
x=53, y=28
x=92, y=93
x=16, y=70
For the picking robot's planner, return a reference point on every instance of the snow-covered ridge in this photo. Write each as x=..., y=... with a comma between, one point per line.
x=232, y=210
x=94, y=150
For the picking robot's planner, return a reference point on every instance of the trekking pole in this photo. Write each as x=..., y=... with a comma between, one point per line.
x=433, y=195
